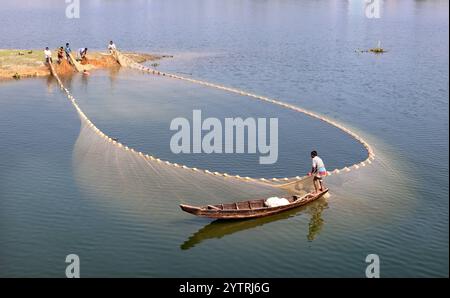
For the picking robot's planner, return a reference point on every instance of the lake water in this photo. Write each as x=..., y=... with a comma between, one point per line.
x=62, y=190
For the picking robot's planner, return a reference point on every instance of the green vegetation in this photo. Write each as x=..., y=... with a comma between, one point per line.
x=24, y=58
x=377, y=50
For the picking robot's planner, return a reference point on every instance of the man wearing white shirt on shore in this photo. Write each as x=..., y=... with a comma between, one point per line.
x=111, y=46
x=48, y=55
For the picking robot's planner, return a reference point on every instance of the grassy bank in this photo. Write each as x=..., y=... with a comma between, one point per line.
x=20, y=63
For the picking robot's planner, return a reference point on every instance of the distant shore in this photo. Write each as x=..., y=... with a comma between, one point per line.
x=27, y=63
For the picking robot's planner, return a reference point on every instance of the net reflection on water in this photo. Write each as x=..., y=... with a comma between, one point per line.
x=151, y=187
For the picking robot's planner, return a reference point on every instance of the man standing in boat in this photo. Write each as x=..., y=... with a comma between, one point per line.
x=318, y=171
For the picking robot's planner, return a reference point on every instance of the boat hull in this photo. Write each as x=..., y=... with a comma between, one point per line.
x=219, y=212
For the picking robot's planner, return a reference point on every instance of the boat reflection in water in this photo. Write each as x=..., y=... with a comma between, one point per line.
x=220, y=228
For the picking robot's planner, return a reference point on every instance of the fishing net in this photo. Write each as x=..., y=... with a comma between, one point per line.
x=124, y=168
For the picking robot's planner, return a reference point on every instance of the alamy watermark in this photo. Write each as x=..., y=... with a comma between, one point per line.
x=234, y=135
x=73, y=9
x=73, y=269
x=373, y=269
x=73, y=261
x=371, y=9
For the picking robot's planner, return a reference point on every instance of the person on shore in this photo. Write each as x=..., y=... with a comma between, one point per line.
x=48, y=55
x=68, y=51
x=111, y=46
x=60, y=55
x=318, y=171
x=82, y=53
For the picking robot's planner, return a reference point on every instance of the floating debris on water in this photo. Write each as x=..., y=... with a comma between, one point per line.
x=376, y=50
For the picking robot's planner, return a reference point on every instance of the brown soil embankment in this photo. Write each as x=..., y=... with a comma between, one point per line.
x=17, y=64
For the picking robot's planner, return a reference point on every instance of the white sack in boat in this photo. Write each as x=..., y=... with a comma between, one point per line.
x=276, y=201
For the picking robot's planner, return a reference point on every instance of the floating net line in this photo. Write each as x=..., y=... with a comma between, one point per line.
x=292, y=184
x=127, y=62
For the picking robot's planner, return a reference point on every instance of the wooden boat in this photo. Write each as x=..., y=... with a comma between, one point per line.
x=249, y=209
x=219, y=228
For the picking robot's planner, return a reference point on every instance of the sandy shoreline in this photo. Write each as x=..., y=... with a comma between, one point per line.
x=26, y=63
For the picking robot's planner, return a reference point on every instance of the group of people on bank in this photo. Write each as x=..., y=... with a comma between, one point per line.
x=66, y=52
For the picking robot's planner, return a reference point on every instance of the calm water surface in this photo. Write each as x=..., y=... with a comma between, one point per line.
x=63, y=190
